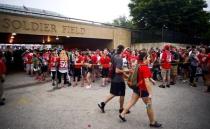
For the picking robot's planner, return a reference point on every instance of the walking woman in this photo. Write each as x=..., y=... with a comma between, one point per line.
x=143, y=90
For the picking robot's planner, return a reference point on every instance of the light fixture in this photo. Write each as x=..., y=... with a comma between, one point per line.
x=10, y=40
x=43, y=41
x=68, y=36
x=57, y=38
x=48, y=39
x=13, y=34
x=12, y=37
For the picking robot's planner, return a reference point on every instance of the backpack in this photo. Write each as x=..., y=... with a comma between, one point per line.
x=133, y=78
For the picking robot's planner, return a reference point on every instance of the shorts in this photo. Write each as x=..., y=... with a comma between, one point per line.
x=77, y=72
x=174, y=70
x=44, y=68
x=117, y=89
x=105, y=72
x=166, y=73
x=84, y=71
x=29, y=67
x=140, y=93
x=89, y=70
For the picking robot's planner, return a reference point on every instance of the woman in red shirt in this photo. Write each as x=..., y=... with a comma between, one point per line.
x=143, y=90
x=77, y=67
x=105, y=61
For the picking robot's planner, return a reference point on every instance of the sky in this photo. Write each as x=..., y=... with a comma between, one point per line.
x=93, y=10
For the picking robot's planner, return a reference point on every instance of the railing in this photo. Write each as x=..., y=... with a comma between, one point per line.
x=149, y=36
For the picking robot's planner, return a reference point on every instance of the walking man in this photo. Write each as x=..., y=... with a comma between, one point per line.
x=117, y=81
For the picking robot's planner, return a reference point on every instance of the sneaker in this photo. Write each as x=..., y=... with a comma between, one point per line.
x=122, y=118
x=69, y=84
x=88, y=86
x=121, y=110
x=172, y=83
x=162, y=86
x=193, y=85
x=168, y=86
x=155, y=125
x=101, y=106
x=2, y=103
x=53, y=84
x=3, y=99
x=184, y=81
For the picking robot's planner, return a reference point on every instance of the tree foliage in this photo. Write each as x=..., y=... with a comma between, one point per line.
x=123, y=21
x=187, y=16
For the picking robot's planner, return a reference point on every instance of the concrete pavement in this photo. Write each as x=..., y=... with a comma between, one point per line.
x=40, y=107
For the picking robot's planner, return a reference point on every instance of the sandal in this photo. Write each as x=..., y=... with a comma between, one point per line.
x=155, y=125
x=122, y=118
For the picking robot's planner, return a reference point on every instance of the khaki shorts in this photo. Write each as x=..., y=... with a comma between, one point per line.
x=165, y=73
x=174, y=70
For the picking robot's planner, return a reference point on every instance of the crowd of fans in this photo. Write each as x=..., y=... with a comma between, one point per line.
x=84, y=67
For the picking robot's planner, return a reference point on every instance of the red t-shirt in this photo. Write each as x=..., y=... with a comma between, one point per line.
x=94, y=59
x=202, y=58
x=127, y=55
x=166, y=60
x=2, y=67
x=133, y=58
x=78, y=62
x=153, y=56
x=29, y=58
x=46, y=56
x=63, y=64
x=85, y=58
x=53, y=61
x=143, y=72
x=105, y=62
x=208, y=58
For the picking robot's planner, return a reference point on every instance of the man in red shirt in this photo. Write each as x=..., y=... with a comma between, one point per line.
x=105, y=62
x=165, y=59
x=142, y=90
x=2, y=78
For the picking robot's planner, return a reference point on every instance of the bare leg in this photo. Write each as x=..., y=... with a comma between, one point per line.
x=108, y=98
x=131, y=102
x=150, y=112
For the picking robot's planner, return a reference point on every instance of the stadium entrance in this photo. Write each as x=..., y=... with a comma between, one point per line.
x=22, y=25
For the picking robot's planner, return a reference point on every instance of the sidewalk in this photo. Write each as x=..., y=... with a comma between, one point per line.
x=20, y=80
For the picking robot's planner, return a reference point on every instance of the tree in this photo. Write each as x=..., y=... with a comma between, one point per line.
x=187, y=16
x=123, y=21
